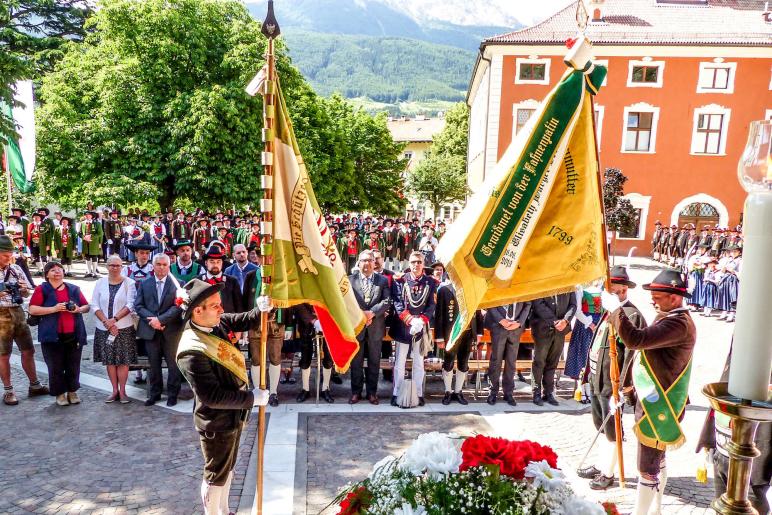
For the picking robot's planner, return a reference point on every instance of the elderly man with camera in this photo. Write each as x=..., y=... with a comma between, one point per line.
x=13, y=325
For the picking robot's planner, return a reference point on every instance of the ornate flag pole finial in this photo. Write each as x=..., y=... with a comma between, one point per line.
x=270, y=26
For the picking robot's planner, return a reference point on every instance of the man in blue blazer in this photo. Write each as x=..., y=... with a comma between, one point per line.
x=160, y=326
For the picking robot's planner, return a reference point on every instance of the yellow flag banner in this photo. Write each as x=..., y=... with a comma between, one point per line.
x=534, y=227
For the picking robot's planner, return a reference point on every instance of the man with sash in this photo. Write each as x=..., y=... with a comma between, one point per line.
x=210, y=360
x=600, y=380
x=91, y=234
x=64, y=243
x=185, y=269
x=661, y=372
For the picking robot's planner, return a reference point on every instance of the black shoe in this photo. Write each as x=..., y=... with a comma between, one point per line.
x=327, y=396
x=446, y=398
x=551, y=400
x=273, y=400
x=355, y=398
x=421, y=401
x=521, y=378
x=588, y=472
x=394, y=401
x=510, y=400
x=336, y=379
x=152, y=400
x=171, y=401
x=460, y=398
x=491, y=399
x=140, y=380
x=537, y=399
x=303, y=396
x=601, y=482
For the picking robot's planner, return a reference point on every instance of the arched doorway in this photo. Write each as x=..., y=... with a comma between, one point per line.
x=699, y=214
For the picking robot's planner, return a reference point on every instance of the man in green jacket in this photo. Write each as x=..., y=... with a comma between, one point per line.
x=92, y=234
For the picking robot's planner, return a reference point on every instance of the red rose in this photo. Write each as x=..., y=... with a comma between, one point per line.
x=611, y=508
x=179, y=301
x=355, y=502
x=511, y=457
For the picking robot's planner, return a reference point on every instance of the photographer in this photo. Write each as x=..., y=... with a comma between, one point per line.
x=13, y=325
x=62, y=332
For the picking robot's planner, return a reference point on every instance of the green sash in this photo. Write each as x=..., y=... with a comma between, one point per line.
x=218, y=350
x=659, y=426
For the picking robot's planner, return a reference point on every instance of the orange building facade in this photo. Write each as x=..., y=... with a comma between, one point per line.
x=673, y=114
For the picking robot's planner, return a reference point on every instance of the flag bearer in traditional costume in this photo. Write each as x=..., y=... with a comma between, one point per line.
x=600, y=380
x=212, y=363
x=91, y=234
x=445, y=315
x=414, y=302
x=661, y=372
x=185, y=268
x=64, y=244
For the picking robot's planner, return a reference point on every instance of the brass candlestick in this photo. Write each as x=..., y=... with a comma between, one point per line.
x=746, y=416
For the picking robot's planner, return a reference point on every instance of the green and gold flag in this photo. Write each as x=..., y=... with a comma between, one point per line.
x=306, y=265
x=535, y=226
x=18, y=151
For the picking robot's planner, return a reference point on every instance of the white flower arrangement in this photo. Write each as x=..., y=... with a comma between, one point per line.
x=182, y=299
x=435, y=454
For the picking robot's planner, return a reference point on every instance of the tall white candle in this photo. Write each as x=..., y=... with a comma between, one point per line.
x=752, y=349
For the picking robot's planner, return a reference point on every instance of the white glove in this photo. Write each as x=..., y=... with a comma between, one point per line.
x=416, y=326
x=264, y=303
x=287, y=335
x=109, y=242
x=612, y=406
x=318, y=326
x=610, y=302
x=261, y=397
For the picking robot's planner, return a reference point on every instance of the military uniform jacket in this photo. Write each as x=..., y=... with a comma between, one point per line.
x=93, y=229
x=34, y=238
x=64, y=241
x=412, y=297
x=446, y=312
x=221, y=402
x=600, y=358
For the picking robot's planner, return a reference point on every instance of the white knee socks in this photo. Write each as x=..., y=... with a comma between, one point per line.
x=608, y=457
x=224, y=508
x=255, y=376
x=657, y=508
x=460, y=380
x=305, y=376
x=647, y=489
x=274, y=373
x=447, y=378
x=210, y=496
x=326, y=374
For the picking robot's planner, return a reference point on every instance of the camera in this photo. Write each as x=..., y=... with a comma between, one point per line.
x=70, y=306
x=14, y=290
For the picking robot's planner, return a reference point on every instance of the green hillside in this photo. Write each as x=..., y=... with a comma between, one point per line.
x=387, y=70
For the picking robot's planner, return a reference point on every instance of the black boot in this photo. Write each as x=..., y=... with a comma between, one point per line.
x=446, y=398
x=303, y=396
x=460, y=398
x=327, y=396
x=537, y=398
x=394, y=400
x=273, y=400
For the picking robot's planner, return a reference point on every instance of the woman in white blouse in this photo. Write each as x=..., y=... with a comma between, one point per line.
x=114, y=339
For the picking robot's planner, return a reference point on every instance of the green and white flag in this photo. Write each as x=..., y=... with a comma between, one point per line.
x=19, y=152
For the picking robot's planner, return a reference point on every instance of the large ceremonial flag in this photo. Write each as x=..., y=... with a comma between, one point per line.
x=307, y=267
x=19, y=152
x=535, y=226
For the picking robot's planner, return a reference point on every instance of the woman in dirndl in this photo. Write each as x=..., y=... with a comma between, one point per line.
x=696, y=267
x=729, y=285
x=581, y=335
x=710, y=280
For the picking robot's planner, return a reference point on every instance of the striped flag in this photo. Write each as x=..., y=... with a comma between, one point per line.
x=306, y=265
x=18, y=153
x=535, y=226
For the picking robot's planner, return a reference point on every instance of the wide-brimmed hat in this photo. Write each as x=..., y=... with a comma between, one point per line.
x=45, y=210
x=214, y=252
x=140, y=246
x=669, y=281
x=21, y=210
x=194, y=293
x=182, y=243
x=93, y=214
x=618, y=275
x=6, y=245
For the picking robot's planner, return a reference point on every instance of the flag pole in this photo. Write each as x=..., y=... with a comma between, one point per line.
x=270, y=29
x=5, y=165
x=612, y=337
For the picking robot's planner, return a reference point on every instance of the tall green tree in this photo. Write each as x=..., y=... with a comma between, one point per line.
x=621, y=216
x=441, y=177
x=32, y=33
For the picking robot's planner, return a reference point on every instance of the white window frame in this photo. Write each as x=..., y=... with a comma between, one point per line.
x=525, y=104
x=602, y=62
x=533, y=60
x=712, y=109
x=732, y=67
x=599, y=124
x=768, y=114
x=641, y=202
x=650, y=64
x=641, y=107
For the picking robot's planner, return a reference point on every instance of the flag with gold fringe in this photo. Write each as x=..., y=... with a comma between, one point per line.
x=535, y=226
x=306, y=265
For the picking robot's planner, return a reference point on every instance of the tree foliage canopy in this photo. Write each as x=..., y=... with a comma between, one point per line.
x=441, y=177
x=621, y=216
x=154, y=101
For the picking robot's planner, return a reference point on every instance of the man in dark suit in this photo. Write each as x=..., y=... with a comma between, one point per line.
x=506, y=324
x=160, y=326
x=550, y=323
x=374, y=297
x=231, y=293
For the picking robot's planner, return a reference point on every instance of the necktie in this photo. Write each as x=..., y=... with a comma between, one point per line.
x=367, y=289
x=159, y=287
